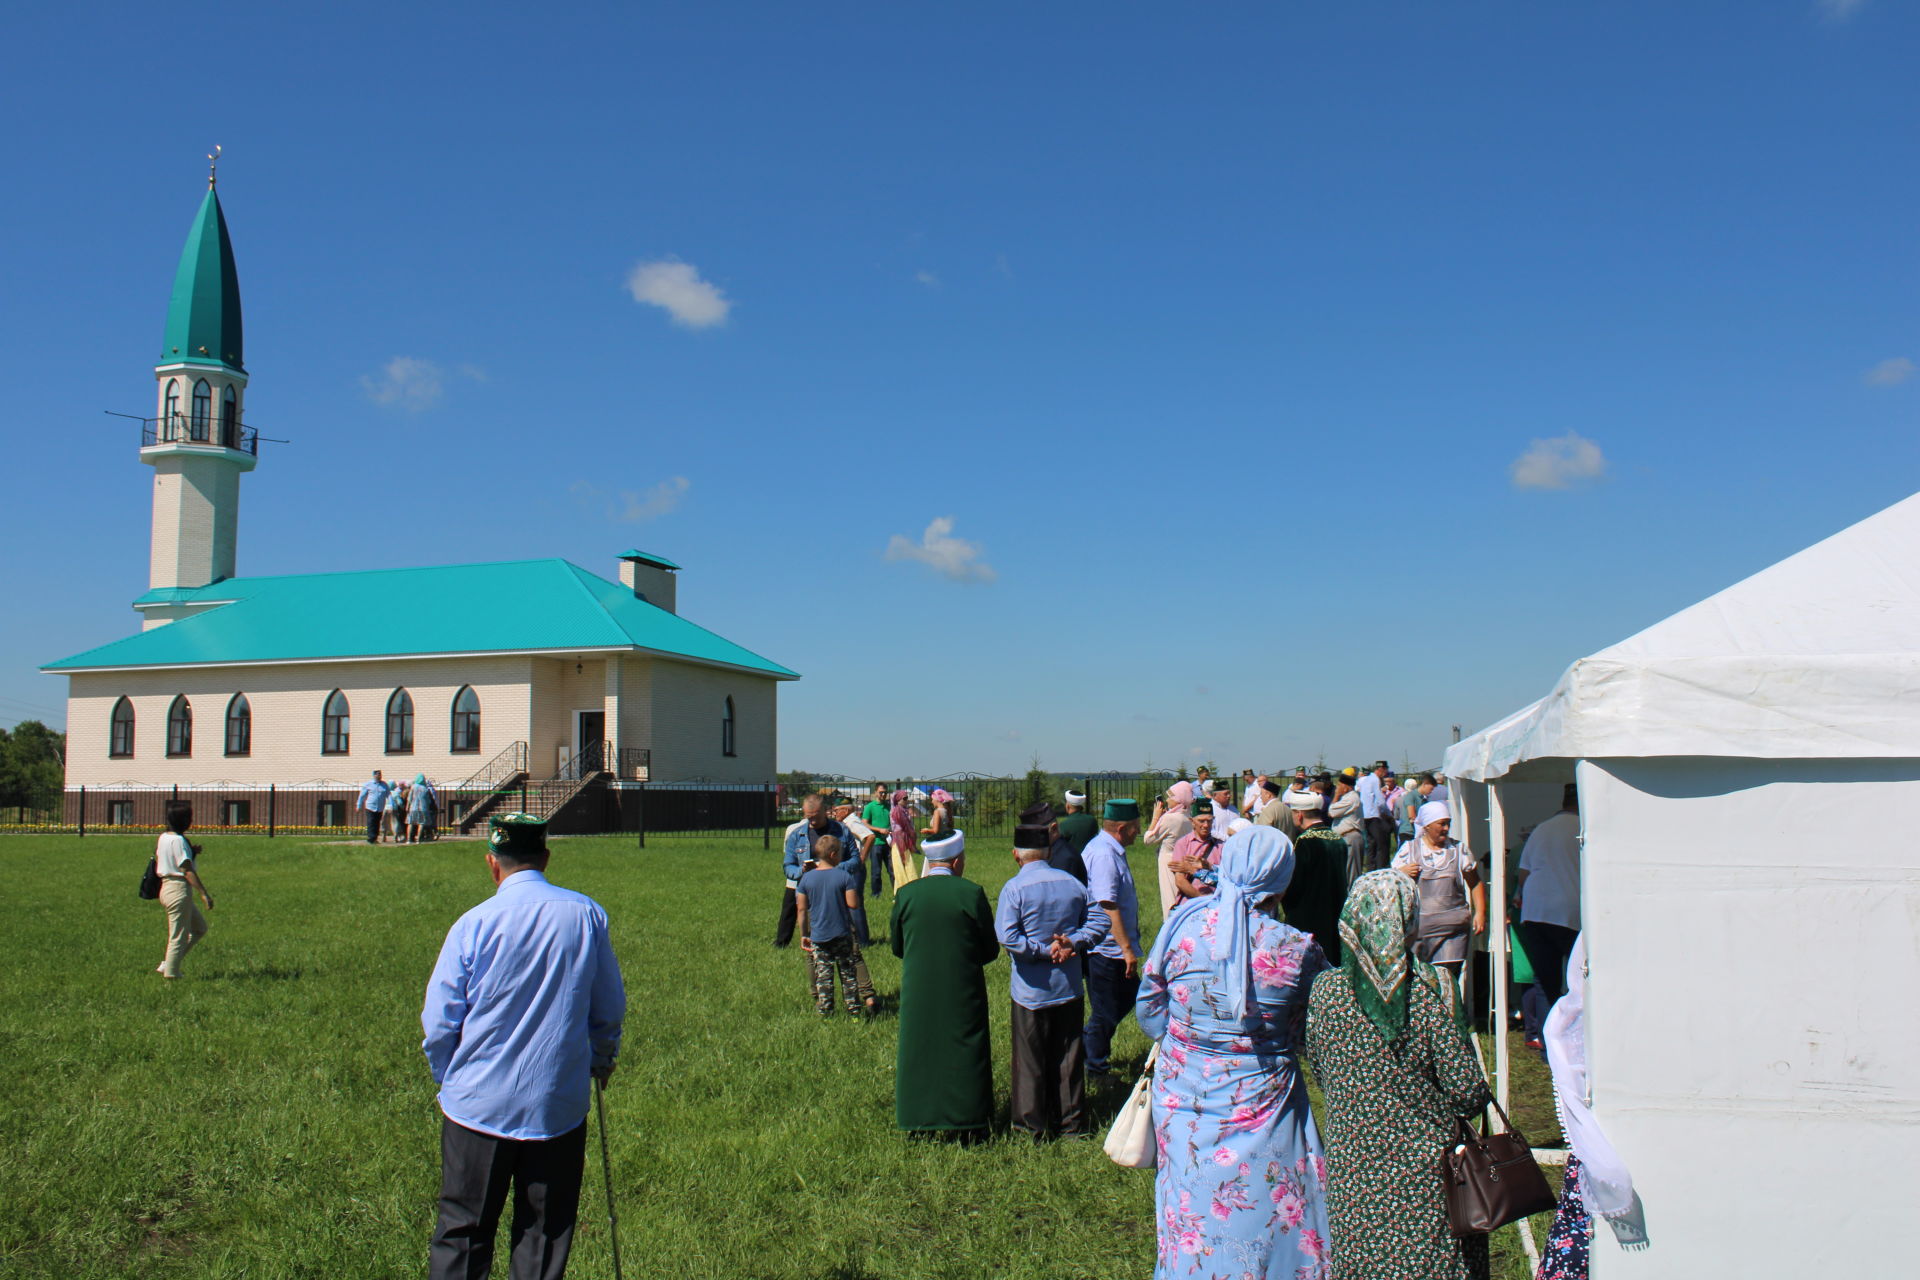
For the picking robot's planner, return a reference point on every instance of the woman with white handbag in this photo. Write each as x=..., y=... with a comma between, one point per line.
x=1241, y=1175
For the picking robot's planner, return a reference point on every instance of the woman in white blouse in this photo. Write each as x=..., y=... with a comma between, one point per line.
x=179, y=881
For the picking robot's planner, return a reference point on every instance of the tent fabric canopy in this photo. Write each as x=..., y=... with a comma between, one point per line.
x=1816, y=656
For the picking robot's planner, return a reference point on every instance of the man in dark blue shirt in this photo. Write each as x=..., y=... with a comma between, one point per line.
x=827, y=901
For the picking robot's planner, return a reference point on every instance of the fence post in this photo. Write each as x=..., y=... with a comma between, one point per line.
x=82, y=816
x=640, y=813
x=523, y=795
x=766, y=815
x=273, y=795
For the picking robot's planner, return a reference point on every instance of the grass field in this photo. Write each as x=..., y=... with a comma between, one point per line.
x=270, y=1115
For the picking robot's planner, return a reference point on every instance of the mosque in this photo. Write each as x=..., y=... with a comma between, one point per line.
x=237, y=684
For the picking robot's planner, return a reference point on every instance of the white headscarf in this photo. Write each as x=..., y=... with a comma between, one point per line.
x=1605, y=1184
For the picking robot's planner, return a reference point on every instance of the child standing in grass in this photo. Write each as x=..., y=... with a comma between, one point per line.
x=826, y=900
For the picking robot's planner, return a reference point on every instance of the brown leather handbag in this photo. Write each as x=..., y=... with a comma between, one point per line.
x=1491, y=1178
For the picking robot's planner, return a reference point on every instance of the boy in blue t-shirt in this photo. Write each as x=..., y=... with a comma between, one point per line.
x=826, y=900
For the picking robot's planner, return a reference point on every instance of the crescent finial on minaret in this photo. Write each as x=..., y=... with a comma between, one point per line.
x=213, y=166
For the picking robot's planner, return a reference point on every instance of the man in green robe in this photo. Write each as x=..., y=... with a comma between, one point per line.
x=943, y=933
x=1319, y=886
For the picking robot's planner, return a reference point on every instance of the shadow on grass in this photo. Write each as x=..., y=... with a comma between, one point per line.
x=850, y=1267
x=260, y=973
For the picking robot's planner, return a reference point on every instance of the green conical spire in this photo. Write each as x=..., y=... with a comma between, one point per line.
x=203, y=320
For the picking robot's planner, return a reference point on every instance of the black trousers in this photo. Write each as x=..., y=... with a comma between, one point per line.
x=373, y=827
x=476, y=1171
x=1548, y=946
x=1379, y=843
x=1049, y=1069
x=1110, y=995
x=789, y=916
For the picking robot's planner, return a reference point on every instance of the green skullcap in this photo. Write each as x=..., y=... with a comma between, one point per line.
x=519, y=836
x=1122, y=810
x=1201, y=809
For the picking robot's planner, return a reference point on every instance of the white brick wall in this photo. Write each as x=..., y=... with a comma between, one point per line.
x=687, y=707
x=671, y=708
x=286, y=702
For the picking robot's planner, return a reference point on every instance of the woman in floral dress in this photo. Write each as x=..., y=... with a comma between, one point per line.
x=1239, y=1187
x=1385, y=1042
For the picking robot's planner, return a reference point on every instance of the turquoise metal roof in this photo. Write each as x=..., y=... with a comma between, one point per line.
x=634, y=553
x=203, y=318
x=509, y=606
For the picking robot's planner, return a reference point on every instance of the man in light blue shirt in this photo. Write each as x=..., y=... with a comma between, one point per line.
x=523, y=1013
x=1045, y=920
x=1374, y=817
x=1113, y=970
x=797, y=851
x=373, y=803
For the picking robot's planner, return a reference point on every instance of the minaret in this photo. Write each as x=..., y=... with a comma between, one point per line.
x=198, y=444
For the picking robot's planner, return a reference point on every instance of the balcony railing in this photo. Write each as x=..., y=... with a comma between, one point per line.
x=182, y=428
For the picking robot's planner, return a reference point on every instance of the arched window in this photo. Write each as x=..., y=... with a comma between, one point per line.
x=239, y=726
x=229, y=419
x=466, y=719
x=400, y=723
x=120, y=731
x=202, y=409
x=180, y=727
x=726, y=728
x=170, y=417
x=336, y=724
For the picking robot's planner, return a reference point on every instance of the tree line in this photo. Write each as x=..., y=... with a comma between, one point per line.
x=32, y=766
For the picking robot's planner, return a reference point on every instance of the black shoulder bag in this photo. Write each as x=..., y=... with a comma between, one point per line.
x=150, y=879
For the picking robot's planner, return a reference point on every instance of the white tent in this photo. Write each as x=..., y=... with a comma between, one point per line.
x=1749, y=775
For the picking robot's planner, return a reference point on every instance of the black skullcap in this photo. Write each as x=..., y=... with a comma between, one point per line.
x=1037, y=815
x=1032, y=836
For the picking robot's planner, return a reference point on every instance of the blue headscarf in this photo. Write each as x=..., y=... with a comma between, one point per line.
x=1255, y=863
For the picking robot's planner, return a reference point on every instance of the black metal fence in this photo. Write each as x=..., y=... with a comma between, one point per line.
x=990, y=805
x=595, y=803
x=604, y=801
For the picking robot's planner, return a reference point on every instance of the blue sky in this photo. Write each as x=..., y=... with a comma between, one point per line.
x=1215, y=332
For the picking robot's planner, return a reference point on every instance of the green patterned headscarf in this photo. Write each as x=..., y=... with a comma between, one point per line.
x=1376, y=948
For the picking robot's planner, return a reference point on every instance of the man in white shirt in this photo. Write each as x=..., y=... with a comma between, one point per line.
x=1222, y=798
x=1547, y=892
x=1251, y=797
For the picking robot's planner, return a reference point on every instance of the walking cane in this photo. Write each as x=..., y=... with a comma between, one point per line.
x=606, y=1168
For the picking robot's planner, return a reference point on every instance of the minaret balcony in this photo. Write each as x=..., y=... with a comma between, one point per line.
x=198, y=434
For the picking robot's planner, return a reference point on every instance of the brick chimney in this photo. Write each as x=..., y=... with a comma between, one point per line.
x=650, y=577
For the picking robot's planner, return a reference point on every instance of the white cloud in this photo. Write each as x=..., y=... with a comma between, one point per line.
x=1011, y=735
x=946, y=555
x=676, y=288
x=1559, y=463
x=1839, y=10
x=411, y=383
x=927, y=278
x=632, y=505
x=1890, y=373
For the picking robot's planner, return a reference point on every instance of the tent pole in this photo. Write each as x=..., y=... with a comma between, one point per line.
x=1497, y=927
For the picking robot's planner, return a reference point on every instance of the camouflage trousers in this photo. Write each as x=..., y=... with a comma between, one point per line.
x=840, y=954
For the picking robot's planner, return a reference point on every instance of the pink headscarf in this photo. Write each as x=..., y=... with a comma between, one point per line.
x=1181, y=793
x=942, y=796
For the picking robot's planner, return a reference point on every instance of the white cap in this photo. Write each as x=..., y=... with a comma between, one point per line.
x=1075, y=797
x=945, y=849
